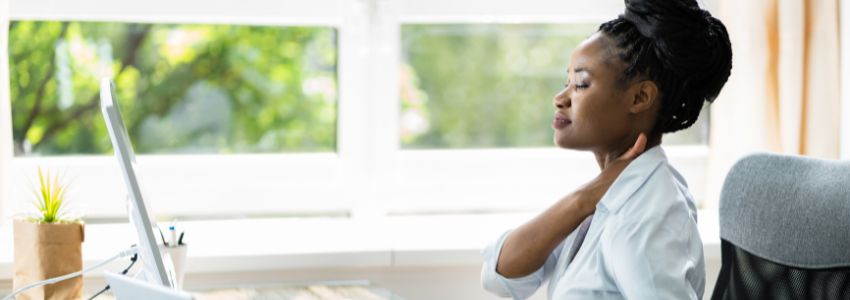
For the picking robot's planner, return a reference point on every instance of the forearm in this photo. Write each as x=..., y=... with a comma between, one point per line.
x=526, y=249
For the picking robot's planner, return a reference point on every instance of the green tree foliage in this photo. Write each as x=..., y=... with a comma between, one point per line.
x=182, y=88
x=250, y=89
x=489, y=85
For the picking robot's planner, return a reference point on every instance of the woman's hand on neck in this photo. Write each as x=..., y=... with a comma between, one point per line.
x=605, y=156
x=591, y=193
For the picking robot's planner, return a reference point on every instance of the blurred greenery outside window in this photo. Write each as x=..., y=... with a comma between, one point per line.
x=258, y=89
x=182, y=88
x=491, y=85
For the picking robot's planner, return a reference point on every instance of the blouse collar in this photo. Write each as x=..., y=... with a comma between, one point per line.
x=632, y=178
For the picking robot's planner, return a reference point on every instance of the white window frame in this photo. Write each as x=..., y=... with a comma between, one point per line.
x=226, y=185
x=369, y=174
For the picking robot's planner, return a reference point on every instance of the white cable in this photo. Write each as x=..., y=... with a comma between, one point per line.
x=128, y=252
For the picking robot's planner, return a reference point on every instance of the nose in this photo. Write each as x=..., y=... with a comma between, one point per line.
x=562, y=99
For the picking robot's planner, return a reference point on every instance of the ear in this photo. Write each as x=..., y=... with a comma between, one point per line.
x=644, y=96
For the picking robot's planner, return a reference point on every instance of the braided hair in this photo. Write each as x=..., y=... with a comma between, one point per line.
x=680, y=47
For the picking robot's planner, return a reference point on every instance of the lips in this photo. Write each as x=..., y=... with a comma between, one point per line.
x=561, y=121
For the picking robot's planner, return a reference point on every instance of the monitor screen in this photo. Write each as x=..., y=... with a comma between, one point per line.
x=156, y=266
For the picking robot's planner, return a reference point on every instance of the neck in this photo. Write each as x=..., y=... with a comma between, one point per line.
x=606, y=155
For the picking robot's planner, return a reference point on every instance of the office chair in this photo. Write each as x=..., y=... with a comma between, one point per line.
x=785, y=229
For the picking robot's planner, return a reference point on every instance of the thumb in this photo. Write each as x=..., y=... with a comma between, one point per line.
x=637, y=149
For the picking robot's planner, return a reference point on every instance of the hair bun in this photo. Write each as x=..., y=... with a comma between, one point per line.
x=685, y=38
x=718, y=52
x=660, y=18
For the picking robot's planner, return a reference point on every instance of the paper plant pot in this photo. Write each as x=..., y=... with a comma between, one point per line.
x=44, y=251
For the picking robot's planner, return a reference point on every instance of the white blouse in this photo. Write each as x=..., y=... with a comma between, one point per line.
x=643, y=243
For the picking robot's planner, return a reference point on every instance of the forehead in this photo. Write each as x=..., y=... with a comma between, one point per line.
x=592, y=53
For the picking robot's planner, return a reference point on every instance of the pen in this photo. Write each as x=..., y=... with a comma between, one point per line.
x=172, y=236
x=162, y=236
x=180, y=240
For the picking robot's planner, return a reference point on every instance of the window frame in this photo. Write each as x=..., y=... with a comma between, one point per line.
x=314, y=180
x=369, y=174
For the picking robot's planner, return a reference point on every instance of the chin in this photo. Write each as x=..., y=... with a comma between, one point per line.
x=571, y=143
x=564, y=142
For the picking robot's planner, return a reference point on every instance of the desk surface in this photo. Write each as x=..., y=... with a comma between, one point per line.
x=310, y=292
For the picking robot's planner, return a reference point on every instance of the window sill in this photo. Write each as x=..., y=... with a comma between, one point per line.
x=252, y=245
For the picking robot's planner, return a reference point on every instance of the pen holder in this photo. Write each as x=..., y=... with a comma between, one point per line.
x=178, y=258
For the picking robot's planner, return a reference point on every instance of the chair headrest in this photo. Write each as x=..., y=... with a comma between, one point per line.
x=789, y=209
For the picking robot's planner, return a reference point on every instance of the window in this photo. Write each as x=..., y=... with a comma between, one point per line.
x=183, y=88
x=459, y=151
x=234, y=111
x=291, y=108
x=493, y=85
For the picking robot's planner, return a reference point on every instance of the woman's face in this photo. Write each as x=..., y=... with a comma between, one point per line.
x=592, y=111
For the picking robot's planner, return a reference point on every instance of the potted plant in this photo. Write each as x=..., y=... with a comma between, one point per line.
x=49, y=243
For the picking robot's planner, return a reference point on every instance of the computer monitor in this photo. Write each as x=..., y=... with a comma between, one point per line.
x=157, y=267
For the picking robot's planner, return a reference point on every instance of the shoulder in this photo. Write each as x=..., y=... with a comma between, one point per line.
x=664, y=197
x=649, y=185
x=661, y=197
x=652, y=245
x=659, y=217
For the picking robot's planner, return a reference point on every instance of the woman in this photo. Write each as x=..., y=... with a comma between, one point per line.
x=630, y=233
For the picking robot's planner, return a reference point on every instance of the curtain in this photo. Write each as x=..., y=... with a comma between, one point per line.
x=5, y=109
x=783, y=95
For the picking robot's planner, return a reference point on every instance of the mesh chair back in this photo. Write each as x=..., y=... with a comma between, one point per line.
x=785, y=229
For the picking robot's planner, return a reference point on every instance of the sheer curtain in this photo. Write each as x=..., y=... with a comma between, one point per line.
x=5, y=107
x=784, y=94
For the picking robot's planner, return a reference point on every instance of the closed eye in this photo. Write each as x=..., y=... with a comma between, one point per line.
x=578, y=86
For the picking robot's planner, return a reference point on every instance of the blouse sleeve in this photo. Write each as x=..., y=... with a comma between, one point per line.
x=516, y=288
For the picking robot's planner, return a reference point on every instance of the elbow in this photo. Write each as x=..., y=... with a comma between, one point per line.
x=510, y=268
x=491, y=283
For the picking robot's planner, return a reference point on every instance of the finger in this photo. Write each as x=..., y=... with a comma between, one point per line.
x=637, y=149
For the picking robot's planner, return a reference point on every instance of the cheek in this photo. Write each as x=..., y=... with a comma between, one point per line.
x=599, y=115
x=598, y=119
x=589, y=111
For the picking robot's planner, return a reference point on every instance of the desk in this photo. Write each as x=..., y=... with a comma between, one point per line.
x=305, y=292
